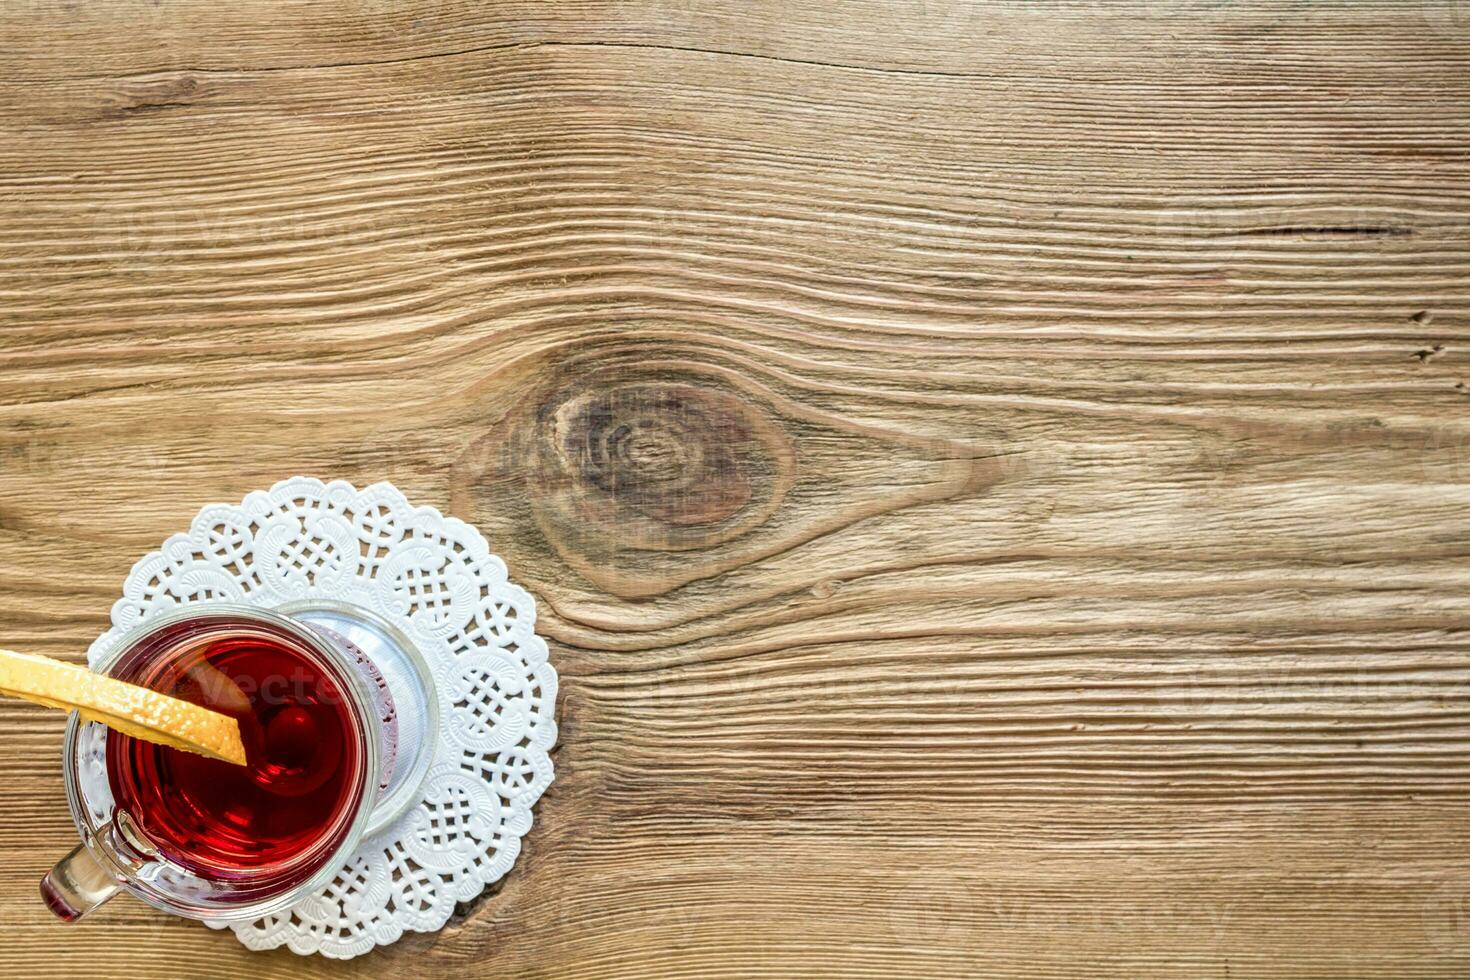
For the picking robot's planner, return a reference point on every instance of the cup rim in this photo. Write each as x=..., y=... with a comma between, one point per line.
x=394, y=804
x=359, y=696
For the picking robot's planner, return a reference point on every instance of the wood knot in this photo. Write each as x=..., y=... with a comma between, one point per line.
x=151, y=94
x=664, y=466
x=640, y=477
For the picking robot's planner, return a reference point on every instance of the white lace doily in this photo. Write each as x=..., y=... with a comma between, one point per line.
x=435, y=579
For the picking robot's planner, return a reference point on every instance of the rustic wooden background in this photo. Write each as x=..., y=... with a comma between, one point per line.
x=996, y=475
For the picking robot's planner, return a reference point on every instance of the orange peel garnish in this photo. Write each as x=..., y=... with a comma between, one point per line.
x=123, y=707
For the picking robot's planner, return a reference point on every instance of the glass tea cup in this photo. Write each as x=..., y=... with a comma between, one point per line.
x=207, y=839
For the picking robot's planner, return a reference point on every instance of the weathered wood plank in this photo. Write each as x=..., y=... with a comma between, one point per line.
x=994, y=475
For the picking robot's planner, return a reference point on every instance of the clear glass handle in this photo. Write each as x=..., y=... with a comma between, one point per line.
x=77, y=885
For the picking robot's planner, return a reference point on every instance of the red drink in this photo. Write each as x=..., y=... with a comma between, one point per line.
x=289, y=808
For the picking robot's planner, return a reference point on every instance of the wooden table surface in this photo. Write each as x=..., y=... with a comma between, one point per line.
x=996, y=476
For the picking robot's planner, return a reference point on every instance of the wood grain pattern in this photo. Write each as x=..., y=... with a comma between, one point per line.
x=996, y=476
